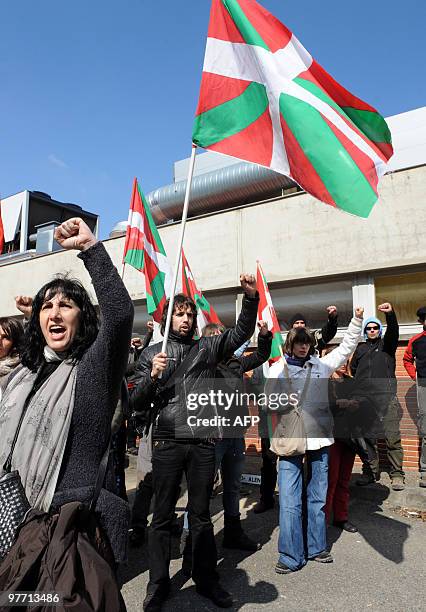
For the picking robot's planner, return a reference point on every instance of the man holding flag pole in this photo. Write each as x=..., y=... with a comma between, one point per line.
x=264, y=99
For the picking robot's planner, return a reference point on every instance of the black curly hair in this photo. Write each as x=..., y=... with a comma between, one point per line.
x=34, y=342
x=181, y=301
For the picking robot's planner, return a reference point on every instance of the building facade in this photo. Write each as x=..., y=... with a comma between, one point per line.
x=311, y=254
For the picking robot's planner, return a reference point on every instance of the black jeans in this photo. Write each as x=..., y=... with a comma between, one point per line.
x=169, y=461
x=142, y=503
x=268, y=473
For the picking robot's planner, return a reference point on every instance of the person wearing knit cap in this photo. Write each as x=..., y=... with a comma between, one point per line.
x=373, y=368
x=415, y=363
x=322, y=336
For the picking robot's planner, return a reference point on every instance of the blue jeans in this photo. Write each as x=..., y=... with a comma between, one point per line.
x=230, y=453
x=290, y=481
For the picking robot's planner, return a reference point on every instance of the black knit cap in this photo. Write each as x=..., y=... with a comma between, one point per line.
x=297, y=317
x=421, y=313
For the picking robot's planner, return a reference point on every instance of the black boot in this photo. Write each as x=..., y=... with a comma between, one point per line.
x=137, y=537
x=216, y=594
x=155, y=597
x=235, y=537
x=263, y=506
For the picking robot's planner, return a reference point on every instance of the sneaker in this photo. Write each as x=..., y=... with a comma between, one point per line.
x=323, y=557
x=397, y=483
x=240, y=541
x=132, y=450
x=216, y=594
x=346, y=526
x=367, y=479
x=282, y=568
x=422, y=481
x=263, y=506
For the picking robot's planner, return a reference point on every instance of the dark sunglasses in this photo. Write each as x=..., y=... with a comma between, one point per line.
x=375, y=328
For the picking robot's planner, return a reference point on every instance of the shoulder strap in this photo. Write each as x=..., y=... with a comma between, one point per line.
x=307, y=381
x=180, y=369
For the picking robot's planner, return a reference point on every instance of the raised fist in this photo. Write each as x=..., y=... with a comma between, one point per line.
x=386, y=307
x=24, y=304
x=332, y=311
x=359, y=312
x=74, y=234
x=263, y=328
x=248, y=283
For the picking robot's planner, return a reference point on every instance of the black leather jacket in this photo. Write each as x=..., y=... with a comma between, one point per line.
x=152, y=401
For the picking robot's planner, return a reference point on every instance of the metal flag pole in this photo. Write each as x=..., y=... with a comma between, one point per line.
x=179, y=248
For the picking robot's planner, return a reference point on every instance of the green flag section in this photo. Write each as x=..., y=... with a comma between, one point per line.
x=144, y=251
x=264, y=99
x=266, y=312
x=205, y=312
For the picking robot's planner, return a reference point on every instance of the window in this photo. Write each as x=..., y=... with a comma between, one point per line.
x=311, y=300
x=406, y=292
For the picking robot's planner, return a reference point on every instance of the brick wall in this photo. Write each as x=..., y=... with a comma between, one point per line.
x=408, y=401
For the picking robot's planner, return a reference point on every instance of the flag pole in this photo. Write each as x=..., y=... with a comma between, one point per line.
x=179, y=248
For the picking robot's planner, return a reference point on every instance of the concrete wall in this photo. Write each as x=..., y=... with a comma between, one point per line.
x=294, y=238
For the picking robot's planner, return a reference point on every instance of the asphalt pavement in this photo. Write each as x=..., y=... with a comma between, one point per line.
x=382, y=567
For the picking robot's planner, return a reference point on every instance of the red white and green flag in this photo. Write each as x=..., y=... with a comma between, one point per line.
x=205, y=311
x=144, y=251
x=264, y=99
x=266, y=312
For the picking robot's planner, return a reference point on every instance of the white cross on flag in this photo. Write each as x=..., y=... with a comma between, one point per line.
x=264, y=99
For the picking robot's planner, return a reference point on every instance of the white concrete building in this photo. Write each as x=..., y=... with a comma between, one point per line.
x=312, y=255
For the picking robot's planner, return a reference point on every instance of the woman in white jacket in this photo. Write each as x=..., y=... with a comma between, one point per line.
x=318, y=422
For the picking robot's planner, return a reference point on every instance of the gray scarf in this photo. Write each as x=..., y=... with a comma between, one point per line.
x=44, y=432
x=7, y=365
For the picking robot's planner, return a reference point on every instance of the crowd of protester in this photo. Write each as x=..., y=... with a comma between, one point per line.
x=78, y=394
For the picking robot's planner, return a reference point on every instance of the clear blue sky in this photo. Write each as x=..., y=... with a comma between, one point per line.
x=95, y=92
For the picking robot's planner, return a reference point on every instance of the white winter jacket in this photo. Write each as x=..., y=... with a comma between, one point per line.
x=317, y=417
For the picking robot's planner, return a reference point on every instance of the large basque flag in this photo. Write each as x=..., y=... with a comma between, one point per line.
x=144, y=250
x=264, y=99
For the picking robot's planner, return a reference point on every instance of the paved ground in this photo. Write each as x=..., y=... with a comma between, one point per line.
x=381, y=567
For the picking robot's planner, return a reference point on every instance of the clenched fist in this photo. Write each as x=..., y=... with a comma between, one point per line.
x=24, y=304
x=159, y=364
x=263, y=328
x=332, y=311
x=74, y=234
x=386, y=307
x=248, y=283
x=359, y=312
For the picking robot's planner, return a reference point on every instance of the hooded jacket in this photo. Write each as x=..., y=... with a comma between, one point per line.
x=373, y=363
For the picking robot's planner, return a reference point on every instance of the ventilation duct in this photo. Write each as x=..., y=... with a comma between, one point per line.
x=227, y=187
